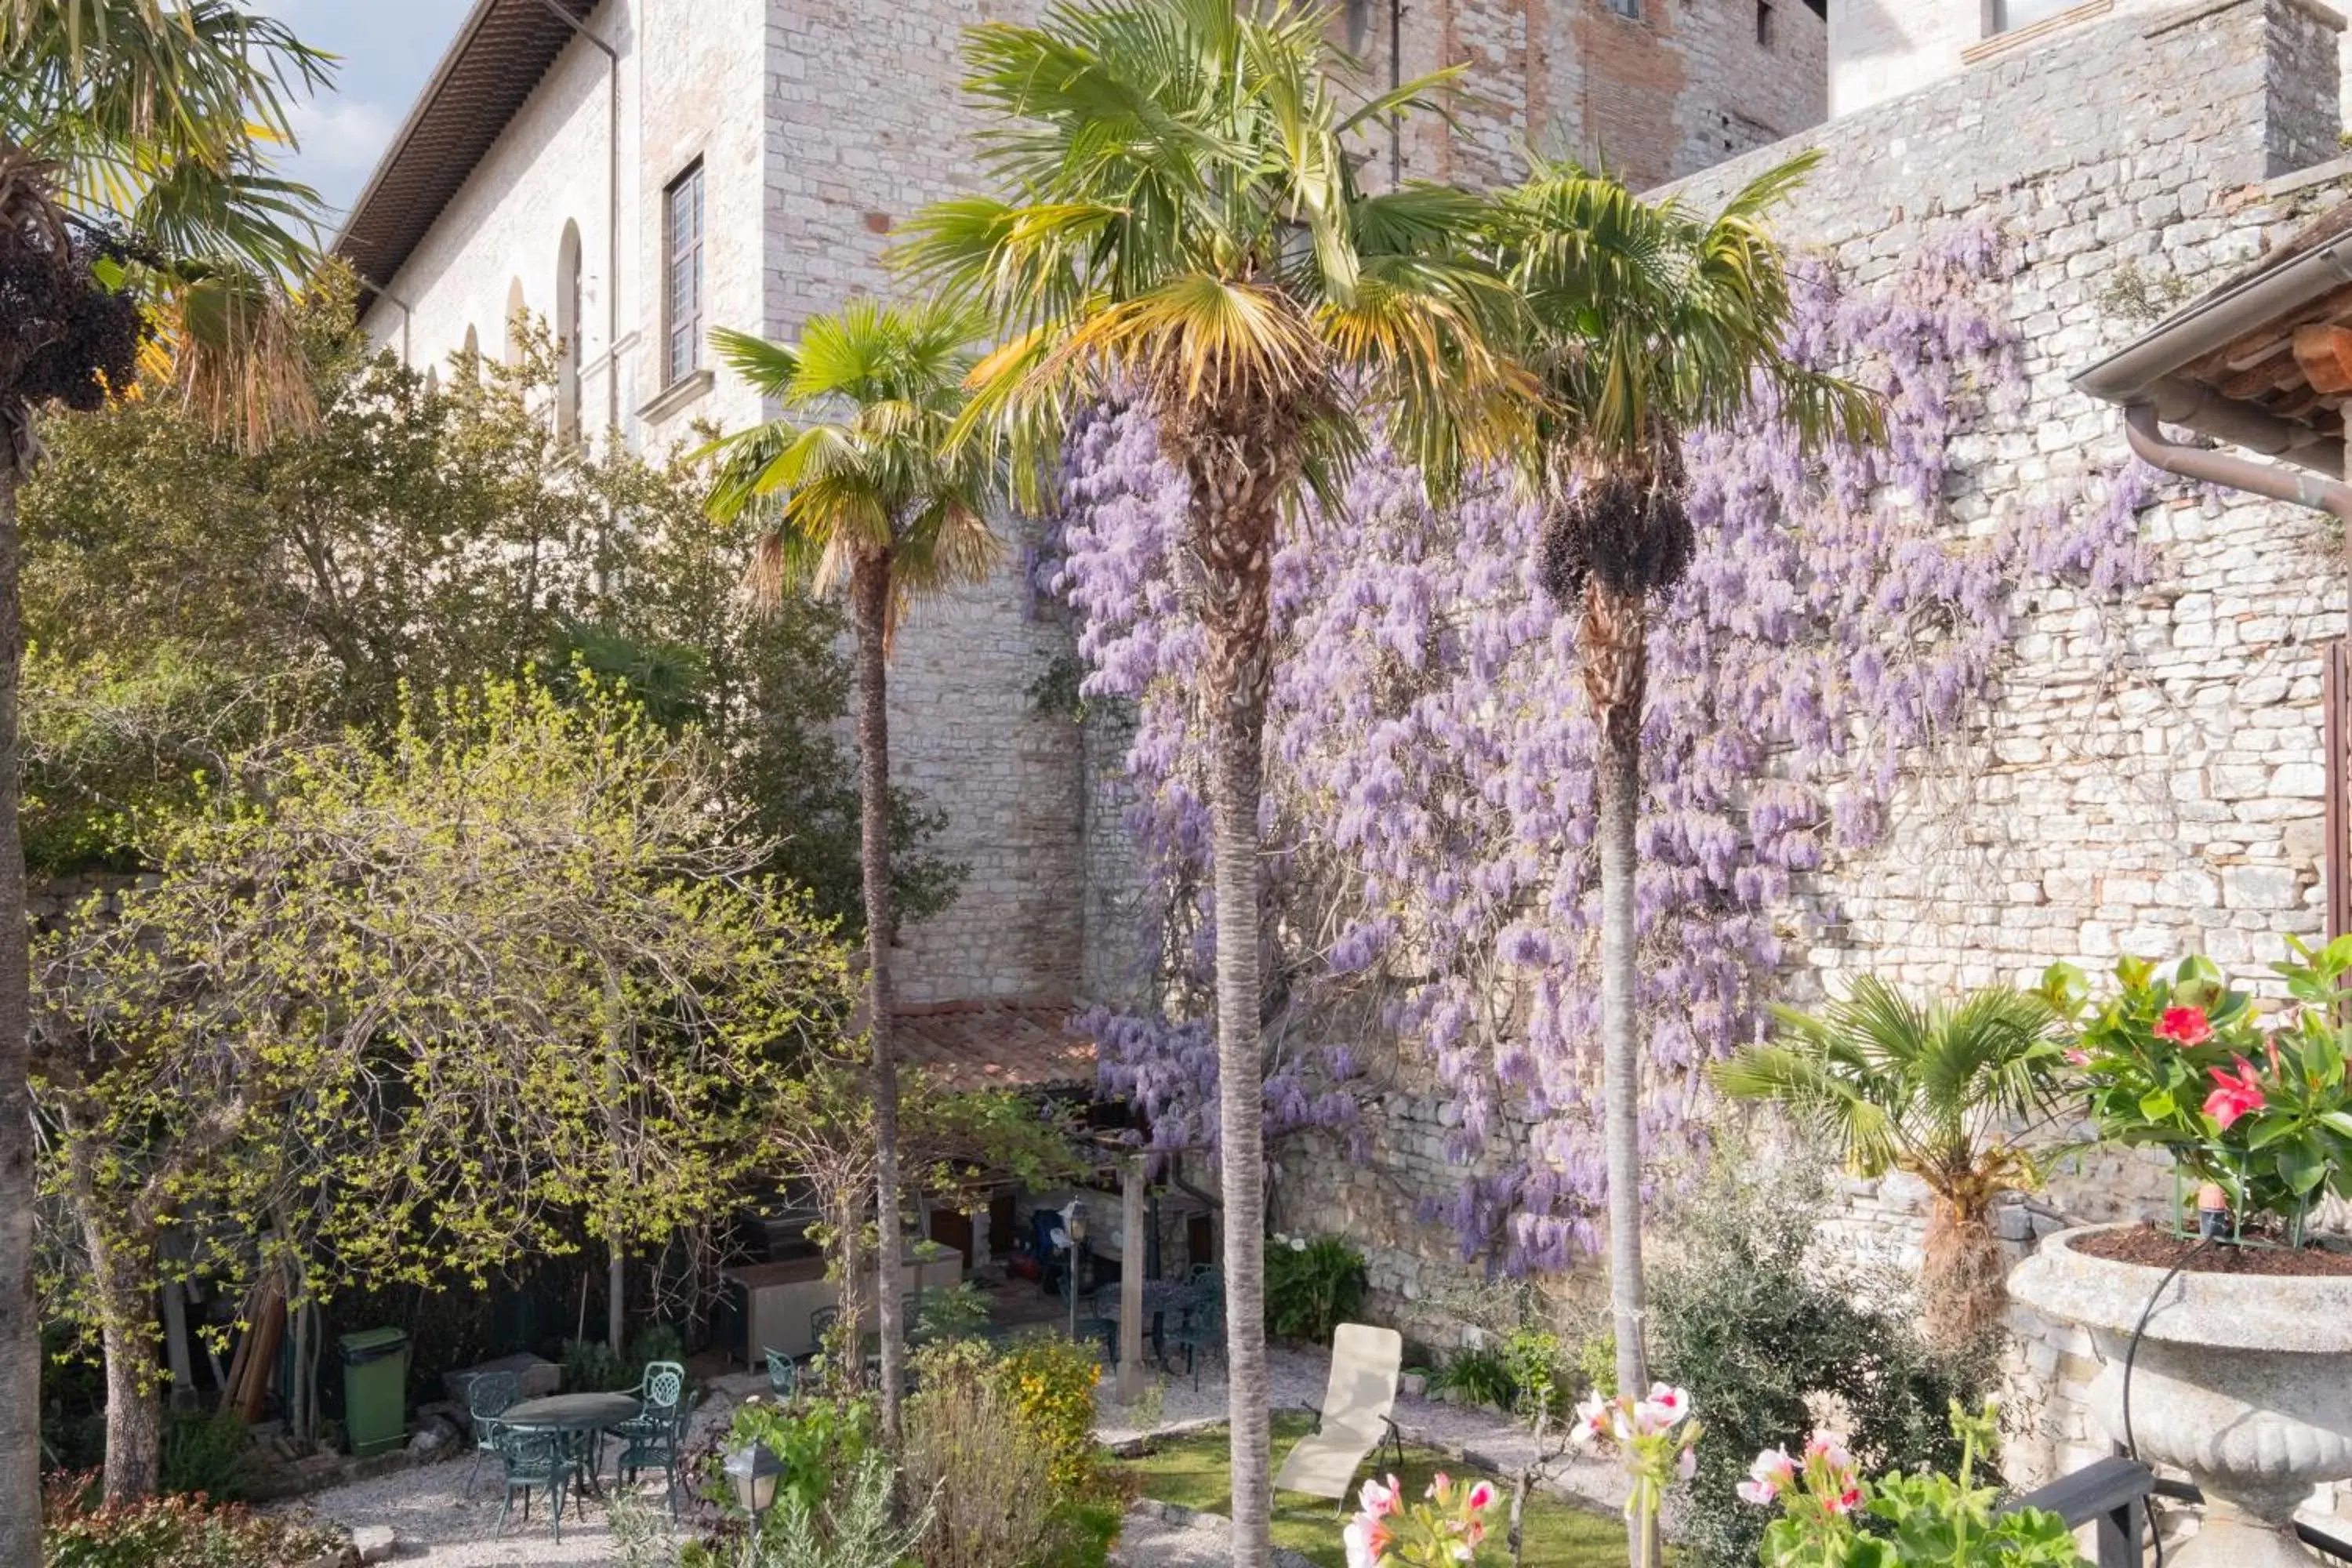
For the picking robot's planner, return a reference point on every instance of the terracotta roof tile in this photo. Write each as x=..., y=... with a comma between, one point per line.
x=995, y=1045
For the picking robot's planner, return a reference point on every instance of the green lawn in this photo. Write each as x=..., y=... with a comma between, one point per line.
x=1192, y=1471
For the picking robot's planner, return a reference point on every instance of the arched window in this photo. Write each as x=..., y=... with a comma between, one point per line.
x=515, y=314
x=471, y=360
x=567, y=333
x=432, y=381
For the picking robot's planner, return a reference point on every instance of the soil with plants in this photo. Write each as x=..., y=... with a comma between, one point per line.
x=2158, y=1247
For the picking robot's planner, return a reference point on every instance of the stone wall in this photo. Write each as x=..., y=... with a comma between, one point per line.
x=2147, y=778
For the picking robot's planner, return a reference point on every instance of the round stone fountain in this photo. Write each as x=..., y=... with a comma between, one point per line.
x=2244, y=1381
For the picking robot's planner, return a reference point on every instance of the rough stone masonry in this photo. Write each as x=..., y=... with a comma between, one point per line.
x=2147, y=779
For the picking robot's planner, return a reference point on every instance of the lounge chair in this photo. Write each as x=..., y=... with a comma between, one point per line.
x=1354, y=1419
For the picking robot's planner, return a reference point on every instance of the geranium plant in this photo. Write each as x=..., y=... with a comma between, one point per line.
x=1657, y=1441
x=2256, y=1104
x=1443, y=1531
x=1832, y=1518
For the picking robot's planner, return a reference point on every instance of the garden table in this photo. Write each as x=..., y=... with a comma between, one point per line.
x=580, y=1418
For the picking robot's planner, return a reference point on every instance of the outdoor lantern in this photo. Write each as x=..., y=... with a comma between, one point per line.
x=1074, y=1216
x=754, y=1472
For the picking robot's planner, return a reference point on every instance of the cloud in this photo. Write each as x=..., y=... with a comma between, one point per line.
x=340, y=141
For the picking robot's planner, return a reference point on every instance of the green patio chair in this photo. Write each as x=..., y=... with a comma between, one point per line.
x=783, y=1375
x=535, y=1461
x=489, y=1395
x=1202, y=1327
x=657, y=1434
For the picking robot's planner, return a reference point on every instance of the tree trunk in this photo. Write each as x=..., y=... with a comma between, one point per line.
x=1963, y=1277
x=870, y=589
x=1614, y=653
x=123, y=1270
x=1233, y=533
x=20, y=1329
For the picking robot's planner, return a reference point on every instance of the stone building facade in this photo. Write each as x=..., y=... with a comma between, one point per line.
x=2148, y=777
x=541, y=172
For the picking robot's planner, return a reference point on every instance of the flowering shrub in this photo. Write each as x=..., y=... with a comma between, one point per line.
x=1658, y=1443
x=1430, y=754
x=1311, y=1287
x=1442, y=1531
x=169, y=1532
x=1050, y=1384
x=1913, y=1521
x=2260, y=1107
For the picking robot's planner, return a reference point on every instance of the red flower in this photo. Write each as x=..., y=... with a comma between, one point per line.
x=2184, y=1026
x=2235, y=1095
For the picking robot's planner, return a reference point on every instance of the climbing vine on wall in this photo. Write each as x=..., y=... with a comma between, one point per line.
x=1429, y=873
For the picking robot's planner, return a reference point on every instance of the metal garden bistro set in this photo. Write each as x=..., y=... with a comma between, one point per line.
x=556, y=1444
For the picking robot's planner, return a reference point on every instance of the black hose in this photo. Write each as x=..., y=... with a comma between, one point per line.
x=2131, y=1355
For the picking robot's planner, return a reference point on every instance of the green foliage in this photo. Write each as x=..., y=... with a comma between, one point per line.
x=958, y=1312
x=592, y=1366
x=472, y=994
x=822, y=1442
x=987, y=1462
x=859, y=1525
x=1925, y=1520
x=1312, y=1286
x=410, y=540
x=1757, y=1328
x=1596, y=1364
x=169, y=1532
x=1533, y=1359
x=1478, y=1373
x=2261, y=1106
x=207, y=1453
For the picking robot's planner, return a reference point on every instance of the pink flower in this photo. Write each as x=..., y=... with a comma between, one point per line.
x=2081, y=1058
x=2235, y=1095
x=1687, y=1464
x=2185, y=1027
x=1367, y=1539
x=1377, y=1499
x=1847, y=1500
x=1481, y=1496
x=1592, y=1421
x=1440, y=1485
x=1829, y=1448
x=1662, y=1410
x=1772, y=1471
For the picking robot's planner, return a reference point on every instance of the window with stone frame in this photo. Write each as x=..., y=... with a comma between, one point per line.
x=1629, y=8
x=1765, y=22
x=2008, y=15
x=682, y=276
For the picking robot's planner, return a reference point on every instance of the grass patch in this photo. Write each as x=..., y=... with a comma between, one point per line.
x=1193, y=1470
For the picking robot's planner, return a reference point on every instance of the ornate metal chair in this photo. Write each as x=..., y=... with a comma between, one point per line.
x=535, y=1461
x=487, y=1396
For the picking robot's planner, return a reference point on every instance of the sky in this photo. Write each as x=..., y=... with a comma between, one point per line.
x=387, y=51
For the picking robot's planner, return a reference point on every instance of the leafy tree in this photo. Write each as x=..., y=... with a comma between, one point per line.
x=188, y=596
x=878, y=502
x=418, y=1008
x=1648, y=322
x=1180, y=223
x=134, y=177
x=1951, y=1094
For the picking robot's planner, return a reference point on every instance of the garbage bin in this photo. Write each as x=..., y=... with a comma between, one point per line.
x=375, y=1391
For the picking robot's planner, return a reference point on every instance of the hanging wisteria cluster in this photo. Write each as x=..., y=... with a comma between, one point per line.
x=1429, y=819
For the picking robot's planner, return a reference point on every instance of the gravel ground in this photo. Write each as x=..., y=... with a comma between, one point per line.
x=435, y=1523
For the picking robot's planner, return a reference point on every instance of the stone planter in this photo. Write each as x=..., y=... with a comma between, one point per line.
x=2244, y=1382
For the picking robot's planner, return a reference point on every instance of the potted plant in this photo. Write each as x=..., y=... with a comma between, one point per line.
x=2227, y=1337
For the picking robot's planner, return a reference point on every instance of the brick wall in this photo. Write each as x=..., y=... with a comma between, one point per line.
x=2147, y=779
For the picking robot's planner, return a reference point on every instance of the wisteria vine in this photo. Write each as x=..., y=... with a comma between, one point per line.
x=1430, y=878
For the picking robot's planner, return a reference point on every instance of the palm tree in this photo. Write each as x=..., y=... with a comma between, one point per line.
x=1953, y=1095
x=1649, y=322
x=1180, y=223
x=870, y=494
x=136, y=193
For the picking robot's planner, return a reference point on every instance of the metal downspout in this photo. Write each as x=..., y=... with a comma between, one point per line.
x=2333, y=496
x=406, y=314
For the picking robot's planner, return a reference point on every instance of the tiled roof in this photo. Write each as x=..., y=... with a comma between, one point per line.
x=994, y=1045
x=502, y=49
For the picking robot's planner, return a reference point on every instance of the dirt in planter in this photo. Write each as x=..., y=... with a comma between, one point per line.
x=2159, y=1248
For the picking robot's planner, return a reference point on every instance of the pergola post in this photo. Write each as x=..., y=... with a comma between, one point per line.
x=1133, y=1251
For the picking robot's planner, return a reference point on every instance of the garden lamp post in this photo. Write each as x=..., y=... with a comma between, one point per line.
x=753, y=1471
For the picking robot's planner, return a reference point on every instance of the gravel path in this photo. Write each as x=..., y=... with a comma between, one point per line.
x=436, y=1524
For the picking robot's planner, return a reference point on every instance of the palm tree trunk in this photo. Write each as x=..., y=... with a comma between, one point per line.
x=20, y=1329
x=1963, y=1277
x=1614, y=653
x=1234, y=537
x=870, y=590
